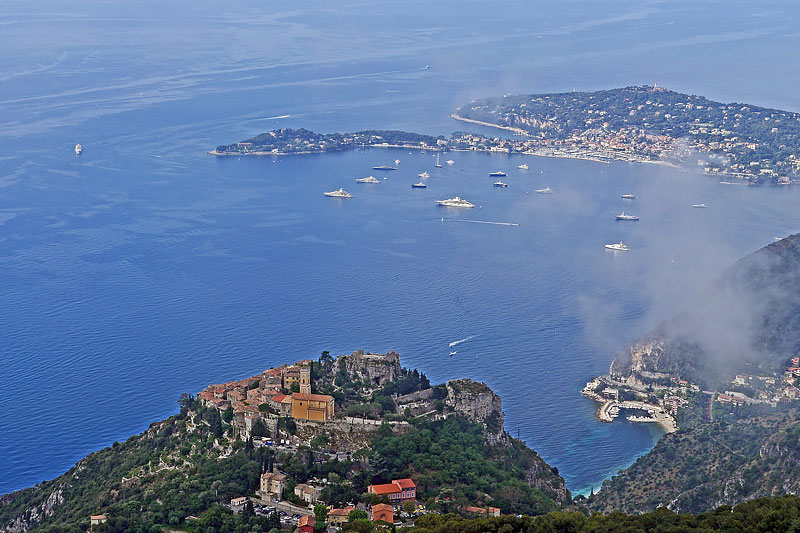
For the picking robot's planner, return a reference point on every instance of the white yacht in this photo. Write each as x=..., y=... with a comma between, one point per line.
x=384, y=167
x=623, y=216
x=368, y=179
x=699, y=206
x=546, y=190
x=499, y=184
x=424, y=175
x=455, y=202
x=450, y=162
x=420, y=185
x=523, y=166
x=629, y=196
x=498, y=174
x=341, y=193
x=78, y=149
x=618, y=247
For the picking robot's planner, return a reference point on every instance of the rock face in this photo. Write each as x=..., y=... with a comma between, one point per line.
x=478, y=403
x=378, y=369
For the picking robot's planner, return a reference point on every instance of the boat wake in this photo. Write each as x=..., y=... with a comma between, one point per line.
x=456, y=343
x=479, y=222
x=278, y=117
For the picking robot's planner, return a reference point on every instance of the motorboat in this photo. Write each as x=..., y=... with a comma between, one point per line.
x=623, y=216
x=368, y=179
x=455, y=202
x=546, y=190
x=499, y=184
x=341, y=193
x=618, y=247
x=420, y=185
x=498, y=174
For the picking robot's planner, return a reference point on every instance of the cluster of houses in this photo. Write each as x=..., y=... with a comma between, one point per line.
x=282, y=391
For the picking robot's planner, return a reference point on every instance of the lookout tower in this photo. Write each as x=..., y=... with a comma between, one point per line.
x=305, y=380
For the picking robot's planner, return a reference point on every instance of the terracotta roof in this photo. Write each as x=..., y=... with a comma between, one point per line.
x=98, y=517
x=278, y=398
x=382, y=507
x=312, y=397
x=307, y=520
x=341, y=512
x=405, y=483
x=386, y=488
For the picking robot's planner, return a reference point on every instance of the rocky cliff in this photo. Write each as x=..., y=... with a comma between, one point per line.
x=478, y=403
x=749, y=318
x=377, y=369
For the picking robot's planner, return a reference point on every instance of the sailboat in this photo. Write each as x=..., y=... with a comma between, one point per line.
x=438, y=165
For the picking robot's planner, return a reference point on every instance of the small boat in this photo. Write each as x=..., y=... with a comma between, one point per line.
x=368, y=179
x=499, y=184
x=629, y=196
x=341, y=193
x=396, y=161
x=453, y=353
x=618, y=247
x=455, y=202
x=623, y=216
x=699, y=206
x=523, y=166
x=450, y=162
x=78, y=149
x=498, y=174
x=427, y=67
x=437, y=165
x=424, y=175
x=384, y=167
x=546, y=190
x=420, y=185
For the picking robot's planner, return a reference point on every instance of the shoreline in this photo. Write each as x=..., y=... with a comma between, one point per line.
x=657, y=414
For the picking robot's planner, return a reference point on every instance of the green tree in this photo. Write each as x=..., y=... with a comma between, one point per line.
x=320, y=516
x=409, y=506
x=357, y=514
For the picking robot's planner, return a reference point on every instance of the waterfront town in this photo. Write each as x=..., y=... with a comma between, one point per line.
x=738, y=144
x=666, y=400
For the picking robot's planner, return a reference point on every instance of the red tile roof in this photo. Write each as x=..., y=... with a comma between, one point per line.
x=386, y=488
x=312, y=397
x=405, y=483
x=341, y=512
x=278, y=398
x=307, y=520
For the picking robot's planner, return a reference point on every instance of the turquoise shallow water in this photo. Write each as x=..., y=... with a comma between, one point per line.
x=145, y=268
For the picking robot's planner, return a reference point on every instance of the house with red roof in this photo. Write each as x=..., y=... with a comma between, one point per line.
x=306, y=524
x=383, y=512
x=398, y=491
x=485, y=511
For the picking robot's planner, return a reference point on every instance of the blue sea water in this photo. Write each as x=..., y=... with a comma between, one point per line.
x=145, y=268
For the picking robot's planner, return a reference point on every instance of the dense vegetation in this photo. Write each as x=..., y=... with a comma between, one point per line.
x=709, y=465
x=289, y=141
x=762, y=515
x=450, y=462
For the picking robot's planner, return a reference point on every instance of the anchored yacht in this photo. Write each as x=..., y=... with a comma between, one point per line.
x=498, y=174
x=455, y=202
x=437, y=165
x=499, y=184
x=420, y=185
x=341, y=193
x=546, y=190
x=523, y=166
x=384, y=167
x=699, y=206
x=424, y=175
x=450, y=162
x=368, y=179
x=78, y=149
x=623, y=216
x=618, y=247
x=629, y=196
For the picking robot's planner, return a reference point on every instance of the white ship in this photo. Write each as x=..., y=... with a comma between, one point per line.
x=699, y=206
x=623, y=216
x=498, y=174
x=618, y=247
x=450, y=162
x=341, y=193
x=499, y=184
x=368, y=179
x=546, y=190
x=523, y=166
x=78, y=149
x=455, y=202
x=420, y=185
x=424, y=175
x=629, y=196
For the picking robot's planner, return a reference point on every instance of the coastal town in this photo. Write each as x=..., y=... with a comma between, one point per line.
x=738, y=144
x=667, y=400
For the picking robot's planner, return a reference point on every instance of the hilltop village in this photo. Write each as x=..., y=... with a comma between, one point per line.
x=739, y=142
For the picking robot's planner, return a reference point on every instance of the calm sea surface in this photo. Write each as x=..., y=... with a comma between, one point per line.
x=144, y=268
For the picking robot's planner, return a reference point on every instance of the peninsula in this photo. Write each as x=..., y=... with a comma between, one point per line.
x=634, y=124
